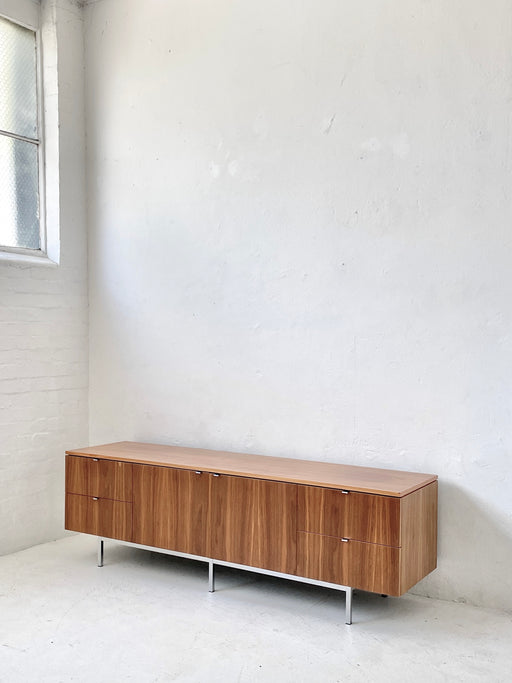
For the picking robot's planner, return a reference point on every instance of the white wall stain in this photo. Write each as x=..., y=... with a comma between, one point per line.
x=233, y=167
x=328, y=123
x=371, y=145
x=260, y=126
x=401, y=146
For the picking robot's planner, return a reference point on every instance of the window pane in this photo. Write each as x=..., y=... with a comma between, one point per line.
x=18, y=91
x=19, y=203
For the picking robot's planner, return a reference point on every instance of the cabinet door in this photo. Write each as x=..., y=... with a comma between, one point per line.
x=170, y=508
x=366, y=566
x=360, y=516
x=253, y=522
x=99, y=478
x=99, y=516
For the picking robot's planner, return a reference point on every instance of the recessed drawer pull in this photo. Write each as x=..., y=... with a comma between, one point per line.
x=95, y=498
x=198, y=472
x=345, y=540
x=95, y=459
x=216, y=475
x=345, y=491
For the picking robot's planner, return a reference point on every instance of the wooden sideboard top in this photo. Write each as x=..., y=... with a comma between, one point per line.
x=394, y=483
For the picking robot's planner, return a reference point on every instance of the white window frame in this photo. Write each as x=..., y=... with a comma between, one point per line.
x=27, y=14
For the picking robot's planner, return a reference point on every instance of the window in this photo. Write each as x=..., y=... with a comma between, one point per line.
x=21, y=224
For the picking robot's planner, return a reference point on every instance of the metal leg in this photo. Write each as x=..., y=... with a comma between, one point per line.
x=211, y=577
x=348, y=606
x=100, y=552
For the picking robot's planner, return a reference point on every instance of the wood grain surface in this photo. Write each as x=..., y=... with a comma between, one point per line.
x=100, y=517
x=253, y=522
x=365, y=479
x=359, y=516
x=101, y=478
x=170, y=508
x=205, y=504
x=366, y=566
x=419, y=536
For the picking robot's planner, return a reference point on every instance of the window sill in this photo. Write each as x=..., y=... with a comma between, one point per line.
x=36, y=258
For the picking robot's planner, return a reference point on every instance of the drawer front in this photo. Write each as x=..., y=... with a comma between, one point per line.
x=366, y=566
x=99, y=516
x=99, y=478
x=360, y=516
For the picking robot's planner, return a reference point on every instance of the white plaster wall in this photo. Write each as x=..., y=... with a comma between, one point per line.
x=44, y=311
x=300, y=243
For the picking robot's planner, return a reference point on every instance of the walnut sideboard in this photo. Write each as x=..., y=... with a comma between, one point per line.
x=333, y=525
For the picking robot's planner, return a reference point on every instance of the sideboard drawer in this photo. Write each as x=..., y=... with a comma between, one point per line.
x=99, y=516
x=100, y=478
x=361, y=516
x=368, y=566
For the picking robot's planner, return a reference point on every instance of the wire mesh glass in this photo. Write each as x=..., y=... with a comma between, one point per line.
x=18, y=79
x=19, y=194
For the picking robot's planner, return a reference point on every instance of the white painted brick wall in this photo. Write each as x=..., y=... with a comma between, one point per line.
x=43, y=397
x=44, y=334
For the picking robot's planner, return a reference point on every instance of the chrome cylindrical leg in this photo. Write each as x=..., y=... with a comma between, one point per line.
x=100, y=552
x=211, y=577
x=348, y=606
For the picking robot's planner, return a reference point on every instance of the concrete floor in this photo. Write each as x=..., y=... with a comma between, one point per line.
x=149, y=617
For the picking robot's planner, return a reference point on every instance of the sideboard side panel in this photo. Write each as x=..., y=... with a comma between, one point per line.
x=418, y=535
